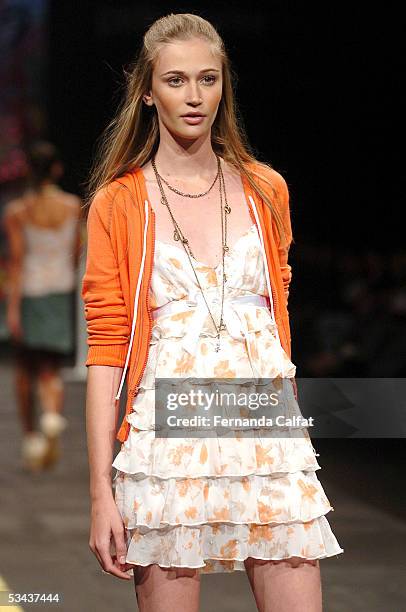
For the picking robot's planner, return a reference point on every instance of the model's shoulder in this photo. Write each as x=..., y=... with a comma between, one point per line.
x=117, y=193
x=71, y=200
x=14, y=208
x=267, y=176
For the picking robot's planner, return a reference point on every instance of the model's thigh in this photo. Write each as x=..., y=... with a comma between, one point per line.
x=291, y=584
x=161, y=589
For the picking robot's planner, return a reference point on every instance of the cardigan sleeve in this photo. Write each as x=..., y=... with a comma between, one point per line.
x=105, y=309
x=279, y=185
x=284, y=245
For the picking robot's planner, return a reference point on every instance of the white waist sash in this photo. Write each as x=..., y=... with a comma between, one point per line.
x=233, y=318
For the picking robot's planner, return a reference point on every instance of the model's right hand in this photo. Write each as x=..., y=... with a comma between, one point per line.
x=107, y=524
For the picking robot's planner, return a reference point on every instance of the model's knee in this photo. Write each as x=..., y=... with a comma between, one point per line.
x=47, y=374
x=50, y=380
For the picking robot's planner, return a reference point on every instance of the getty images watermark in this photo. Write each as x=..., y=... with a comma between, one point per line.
x=242, y=403
x=213, y=407
x=327, y=407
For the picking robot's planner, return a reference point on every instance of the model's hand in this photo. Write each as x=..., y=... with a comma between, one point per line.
x=107, y=525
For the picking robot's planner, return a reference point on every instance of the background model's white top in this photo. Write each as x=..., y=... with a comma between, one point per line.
x=48, y=263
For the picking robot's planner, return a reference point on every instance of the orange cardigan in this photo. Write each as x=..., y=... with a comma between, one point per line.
x=115, y=285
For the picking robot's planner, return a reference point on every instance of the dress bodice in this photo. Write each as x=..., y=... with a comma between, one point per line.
x=173, y=277
x=183, y=335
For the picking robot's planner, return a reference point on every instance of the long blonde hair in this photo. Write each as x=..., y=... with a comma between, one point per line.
x=131, y=139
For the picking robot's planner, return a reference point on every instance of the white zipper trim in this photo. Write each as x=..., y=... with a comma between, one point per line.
x=268, y=280
x=136, y=299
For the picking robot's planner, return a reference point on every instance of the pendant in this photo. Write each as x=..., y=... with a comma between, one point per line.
x=176, y=235
x=221, y=328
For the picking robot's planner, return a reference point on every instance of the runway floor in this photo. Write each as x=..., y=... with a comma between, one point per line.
x=44, y=525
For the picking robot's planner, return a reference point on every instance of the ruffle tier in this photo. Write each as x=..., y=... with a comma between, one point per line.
x=151, y=502
x=143, y=453
x=223, y=547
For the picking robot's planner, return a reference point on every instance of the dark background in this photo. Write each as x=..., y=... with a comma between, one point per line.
x=317, y=87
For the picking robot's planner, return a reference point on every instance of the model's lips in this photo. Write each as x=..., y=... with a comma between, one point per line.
x=193, y=119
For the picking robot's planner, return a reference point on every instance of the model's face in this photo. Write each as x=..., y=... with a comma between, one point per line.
x=186, y=79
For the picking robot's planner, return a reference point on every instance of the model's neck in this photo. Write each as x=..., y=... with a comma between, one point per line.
x=175, y=161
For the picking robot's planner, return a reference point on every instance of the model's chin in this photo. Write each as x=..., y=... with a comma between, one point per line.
x=191, y=132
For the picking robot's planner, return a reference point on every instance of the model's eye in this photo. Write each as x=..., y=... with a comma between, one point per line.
x=211, y=78
x=171, y=81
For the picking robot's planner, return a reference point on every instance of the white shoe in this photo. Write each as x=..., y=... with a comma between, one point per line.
x=52, y=424
x=34, y=449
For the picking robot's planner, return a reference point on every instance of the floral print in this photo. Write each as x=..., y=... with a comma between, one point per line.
x=209, y=503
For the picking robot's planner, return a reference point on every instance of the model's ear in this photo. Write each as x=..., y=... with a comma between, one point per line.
x=147, y=98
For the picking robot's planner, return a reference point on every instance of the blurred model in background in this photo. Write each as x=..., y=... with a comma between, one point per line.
x=43, y=230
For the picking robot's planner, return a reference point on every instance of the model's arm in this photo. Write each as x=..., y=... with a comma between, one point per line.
x=101, y=418
x=13, y=230
x=107, y=328
x=79, y=232
x=283, y=242
x=102, y=411
x=283, y=249
x=105, y=309
x=286, y=268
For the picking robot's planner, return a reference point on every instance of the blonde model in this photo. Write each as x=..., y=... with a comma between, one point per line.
x=187, y=275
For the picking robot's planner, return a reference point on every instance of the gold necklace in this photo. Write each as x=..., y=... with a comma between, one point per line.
x=186, y=195
x=178, y=235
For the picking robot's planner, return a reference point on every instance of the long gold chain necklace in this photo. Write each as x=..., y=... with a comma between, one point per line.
x=178, y=235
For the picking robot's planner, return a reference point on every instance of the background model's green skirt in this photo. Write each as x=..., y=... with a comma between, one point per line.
x=48, y=321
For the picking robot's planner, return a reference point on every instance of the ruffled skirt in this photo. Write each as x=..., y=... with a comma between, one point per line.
x=210, y=503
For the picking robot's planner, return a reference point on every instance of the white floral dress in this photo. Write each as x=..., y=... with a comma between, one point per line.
x=211, y=502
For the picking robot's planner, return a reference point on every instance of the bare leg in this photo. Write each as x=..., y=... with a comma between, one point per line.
x=51, y=395
x=24, y=383
x=287, y=585
x=50, y=387
x=159, y=589
x=34, y=444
